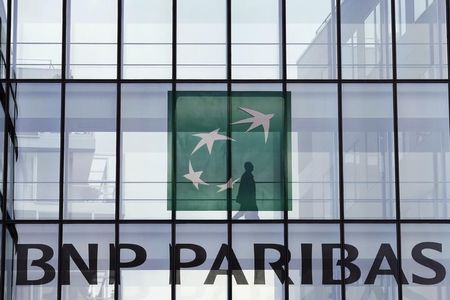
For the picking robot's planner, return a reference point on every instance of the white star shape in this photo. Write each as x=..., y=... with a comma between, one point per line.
x=208, y=139
x=194, y=176
x=257, y=119
x=229, y=185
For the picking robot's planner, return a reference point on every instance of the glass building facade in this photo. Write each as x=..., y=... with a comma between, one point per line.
x=86, y=149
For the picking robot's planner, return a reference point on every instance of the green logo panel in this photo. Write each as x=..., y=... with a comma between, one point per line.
x=229, y=151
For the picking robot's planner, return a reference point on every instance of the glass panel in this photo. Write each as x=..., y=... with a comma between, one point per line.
x=2, y=146
x=424, y=150
x=266, y=166
x=212, y=214
x=192, y=280
x=201, y=39
x=421, y=39
x=9, y=265
x=36, y=38
x=92, y=39
x=268, y=285
x=36, y=235
x=90, y=151
x=3, y=40
x=256, y=39
x=414, y=237
x=10, y=178
x=36, y=185
x=368, y=240
x=80, y=236
x=311, y=39
x=149, y=280
x=314, y=152
x=368, y=151
x=366, y=39
x=147, y=39
x=144, y=151
x=313, y=236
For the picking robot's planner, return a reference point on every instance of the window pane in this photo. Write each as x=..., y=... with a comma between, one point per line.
x=2, y=146
x=367, y=239
x=192, y=280
x=368, y=151
x=80, y=236
x=36, y=184
x=421, y=39
x=144, y=151
x=147, y=46
x=316, y=235
x=92, y=39
x=36, y=234
x=412, y=236
x=3, y=40
x=311, y=39
x=314, y=148
x=37, y=39
x=366, y=39
x=256, y=39
x=210, y=214
x=424, y=150
x=37, y=43
x=201, y=39
x=9, y=264
x=245, y=236
x=149, y=280
x=90, y=151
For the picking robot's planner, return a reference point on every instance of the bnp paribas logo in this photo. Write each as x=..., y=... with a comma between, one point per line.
x=229, y=151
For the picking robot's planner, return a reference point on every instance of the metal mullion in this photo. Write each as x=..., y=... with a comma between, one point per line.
x=447, y=19
x=62, y=136
x=396, y=150
x=118, y=150
x=340, y=147
x=215, y=81
x=284, y=148
x=5, y=149
x=229, y=155
x=173, y=158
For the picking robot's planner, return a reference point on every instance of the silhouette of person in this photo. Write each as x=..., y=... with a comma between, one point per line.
x=246, y=196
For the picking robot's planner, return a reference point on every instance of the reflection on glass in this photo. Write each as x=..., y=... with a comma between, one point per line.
x=368, y=238
x=90, y=151
x=211, y=214
x=92, y=39
x=192, y=280
x=9, y=265
x=36, y=182
x=314, y=151
x=256, y=39
x=201, y=39
x=151, y=279
x=3, y=39
x=244, y=239
x=80, y=236
x=144, y=152
x=421, y=39
x=424, y=147
x=315, y=235
x=311, y=39
x=2, y=146
x=412, y=235
x=366, y=39
x=147, y=39
x=368, y=151
x=37, y=39
x=37, y=234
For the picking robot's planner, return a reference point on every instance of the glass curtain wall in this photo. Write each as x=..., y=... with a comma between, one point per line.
x=87, y=127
